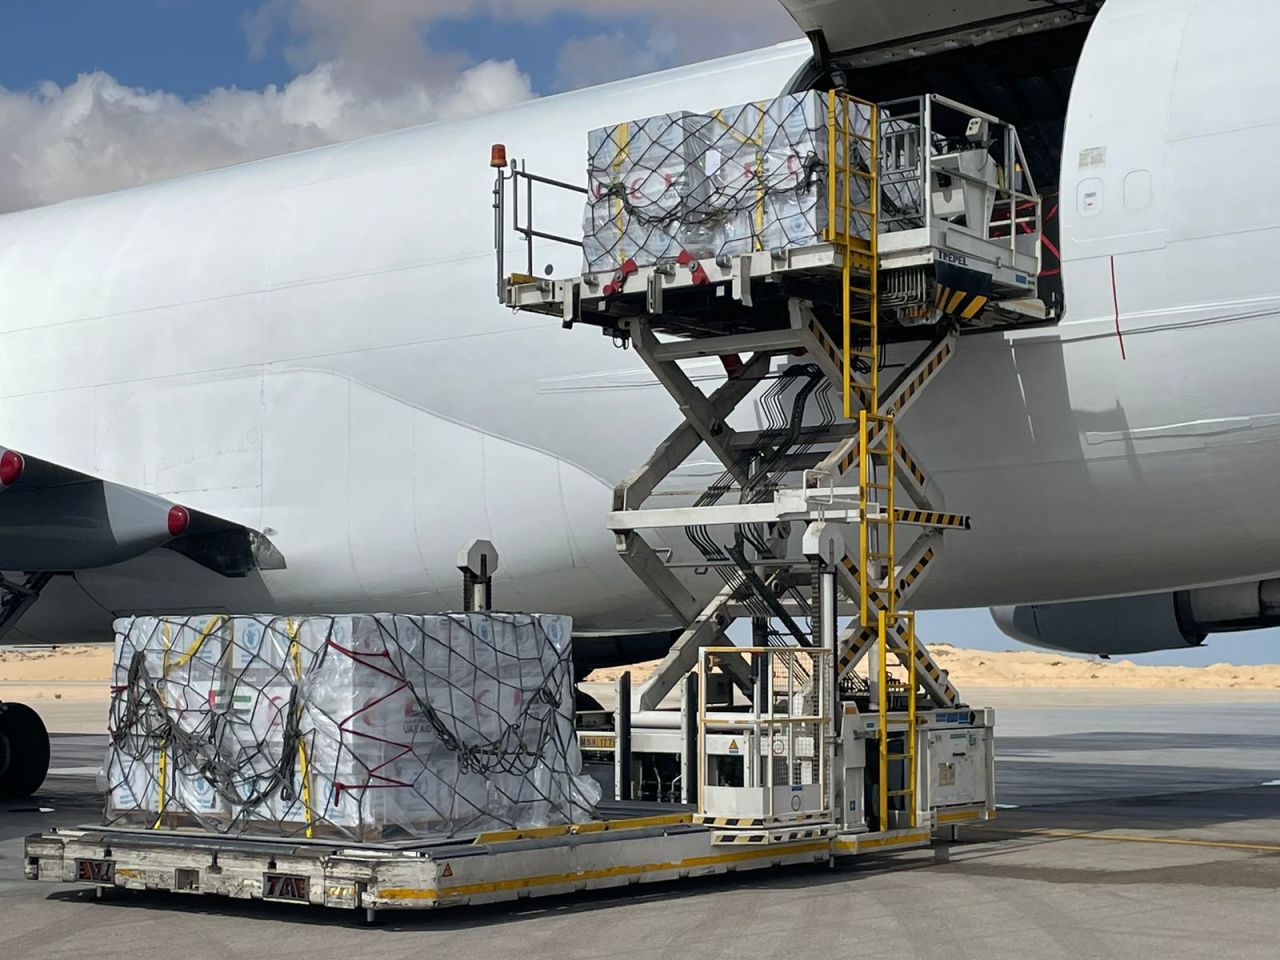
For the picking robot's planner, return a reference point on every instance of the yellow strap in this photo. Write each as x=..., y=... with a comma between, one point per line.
x=757, y=140
x=295, y=653
x=619, y=220
x=213, y=624
x=161, y=798
x=759, y=244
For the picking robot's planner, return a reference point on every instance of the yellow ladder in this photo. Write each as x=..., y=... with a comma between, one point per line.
x=877, y=535
x=855, y=231
x=908, y=755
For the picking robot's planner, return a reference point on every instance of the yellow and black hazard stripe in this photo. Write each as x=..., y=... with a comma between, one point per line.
x=959, y=304
x=932, y=518
x=914, y=574
x=924, y=375
x=721, y=838
x=837, y=358
x=924, y=663
x=850, y=459
x=961, y=293
x=851, y=568
x=816, y=331
x=905, y=581
x=916, y=471
x=733, y=822
x=762, y=837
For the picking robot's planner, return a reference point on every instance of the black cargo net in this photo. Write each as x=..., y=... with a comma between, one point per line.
x=365, y=727
x=740, y=180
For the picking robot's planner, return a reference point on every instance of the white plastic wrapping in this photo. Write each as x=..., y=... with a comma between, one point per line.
x=369, y=727
x=738, y=180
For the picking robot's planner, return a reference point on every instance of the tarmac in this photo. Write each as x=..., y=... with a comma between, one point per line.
x=1130, y=827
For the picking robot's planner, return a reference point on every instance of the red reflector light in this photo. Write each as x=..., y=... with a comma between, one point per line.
x=11, y=467
x=179, y=520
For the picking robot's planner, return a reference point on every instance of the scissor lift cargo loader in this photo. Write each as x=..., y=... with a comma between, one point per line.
x=819, y=531
x=818, y=517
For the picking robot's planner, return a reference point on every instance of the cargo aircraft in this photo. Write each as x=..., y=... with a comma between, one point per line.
x=287, y=386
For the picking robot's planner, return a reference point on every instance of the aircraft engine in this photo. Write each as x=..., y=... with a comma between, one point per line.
x=1143, y=624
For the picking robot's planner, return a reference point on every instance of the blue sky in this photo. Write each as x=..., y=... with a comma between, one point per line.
x=191, y=46
x=96, y=95
x=185, y=46
x=344, y=68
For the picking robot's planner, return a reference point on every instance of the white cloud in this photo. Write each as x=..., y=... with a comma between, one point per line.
x=96, y=135
x=363, y=67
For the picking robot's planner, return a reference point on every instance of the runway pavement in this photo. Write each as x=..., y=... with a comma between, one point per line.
x=1128, y=831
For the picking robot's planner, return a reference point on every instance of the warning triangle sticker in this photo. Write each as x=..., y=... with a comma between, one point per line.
x=733, y=746
x=447, y=871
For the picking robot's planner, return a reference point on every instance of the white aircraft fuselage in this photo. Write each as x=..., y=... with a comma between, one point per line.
x=311, y=346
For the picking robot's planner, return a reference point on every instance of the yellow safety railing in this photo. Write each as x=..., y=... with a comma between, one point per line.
x=789, y=721
x=854, y=228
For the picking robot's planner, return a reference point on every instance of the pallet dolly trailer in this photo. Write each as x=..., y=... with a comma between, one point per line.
x=637, y=843
x=779, y=753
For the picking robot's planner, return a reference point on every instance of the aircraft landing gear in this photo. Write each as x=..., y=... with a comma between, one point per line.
x=24, y=751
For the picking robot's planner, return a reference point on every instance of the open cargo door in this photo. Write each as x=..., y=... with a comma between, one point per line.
x=846, y=26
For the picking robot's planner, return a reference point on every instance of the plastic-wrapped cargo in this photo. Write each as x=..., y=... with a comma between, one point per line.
x=646, y=180
x=741, y=179
x=368, y=727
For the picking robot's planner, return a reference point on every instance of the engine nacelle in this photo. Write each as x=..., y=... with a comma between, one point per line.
x=1120, y=626
x=1144, y=624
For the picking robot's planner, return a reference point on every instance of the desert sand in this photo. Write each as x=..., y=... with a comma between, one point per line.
x=65, y=664
x=89, y=668
x=69, y=686
x=40, y=675
x=1022, y=669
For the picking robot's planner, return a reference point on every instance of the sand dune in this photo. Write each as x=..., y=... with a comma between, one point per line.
x=58, y=664
x=1032, y=669
x=67, y=668
x=1029, y=668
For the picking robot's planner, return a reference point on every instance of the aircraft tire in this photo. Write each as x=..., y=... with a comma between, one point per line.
x=24, y=751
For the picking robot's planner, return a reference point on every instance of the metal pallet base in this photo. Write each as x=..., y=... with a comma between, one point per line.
x=599, y=856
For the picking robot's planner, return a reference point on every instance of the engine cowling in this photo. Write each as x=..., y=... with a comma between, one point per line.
x=1143, y=624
